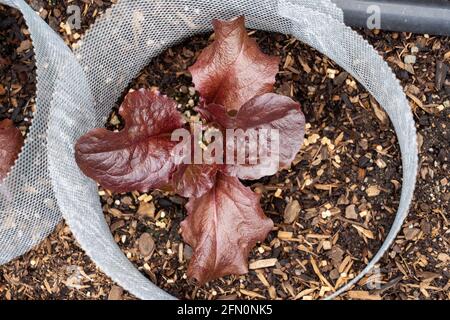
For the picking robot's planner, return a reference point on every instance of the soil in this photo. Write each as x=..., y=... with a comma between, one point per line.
x=17, y=70
x=346, y=178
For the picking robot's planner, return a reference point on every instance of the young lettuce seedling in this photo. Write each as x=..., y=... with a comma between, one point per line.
x=235, y=81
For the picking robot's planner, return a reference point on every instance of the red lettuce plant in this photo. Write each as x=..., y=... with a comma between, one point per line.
x=235, y=80
x=11, y=141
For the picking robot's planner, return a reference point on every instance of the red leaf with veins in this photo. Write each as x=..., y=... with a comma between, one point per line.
x=268, y=111
x=11, y=142
x=222, y=227
x=194, y=180
x=232, y=69
x=139, y=156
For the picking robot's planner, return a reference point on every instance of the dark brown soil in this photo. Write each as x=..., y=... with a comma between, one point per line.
x=416, y=267
x=17, y=70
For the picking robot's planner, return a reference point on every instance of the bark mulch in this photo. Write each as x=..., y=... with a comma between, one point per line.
x=331, y=210
x=17, y=70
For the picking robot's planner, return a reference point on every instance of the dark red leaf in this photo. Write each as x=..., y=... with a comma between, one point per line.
x=11, y=142
x=139, y=156
x=222, y=227
x=268, y=111
x=232, y=69
x=194, y=180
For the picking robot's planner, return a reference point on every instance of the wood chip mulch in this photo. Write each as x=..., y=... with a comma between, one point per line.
x=331, y=210
x=17, y=70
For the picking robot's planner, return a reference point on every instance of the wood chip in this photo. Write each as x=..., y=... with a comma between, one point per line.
x=441, y=73
x=367, y=233
x=416, y=100
x=115, y=212
x=284, y=235
x=327, y=187
x=443, y=257
x=272, y=292
x=180, y=252
x=115, y=293
x=339, y=80
x=304, y=65
x=317, y=236
x=326, y=245
x=319, y=274
x=291, y=212
x=373, y=191
x=146, y=244
x=411, y=233
x=147, y=209
x=251, y=294
x=263, y=279
x=379, y=113
x=304, y=293
x=350, y=212
x=278, y=193
x=24, y=46
x=447, y=55
x=264, y=263
x=363, y=295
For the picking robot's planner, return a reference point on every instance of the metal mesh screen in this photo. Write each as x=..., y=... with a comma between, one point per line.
x=28, y=209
